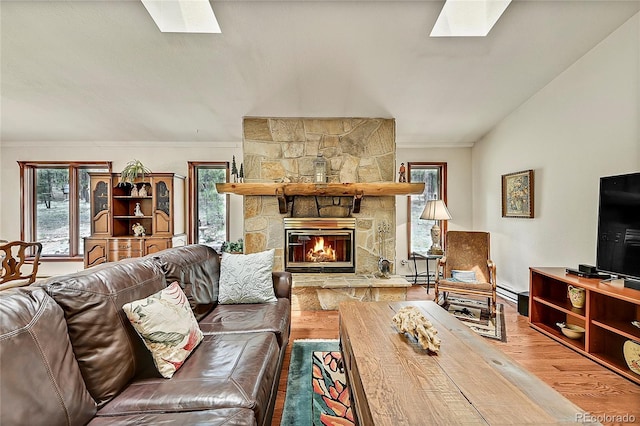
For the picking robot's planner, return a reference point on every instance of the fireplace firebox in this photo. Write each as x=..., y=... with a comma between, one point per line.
x=319, y=244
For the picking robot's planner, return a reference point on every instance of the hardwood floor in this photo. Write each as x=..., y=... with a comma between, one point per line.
x=599, y=391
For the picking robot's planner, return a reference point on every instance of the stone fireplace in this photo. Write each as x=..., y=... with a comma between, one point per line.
x=356, y=150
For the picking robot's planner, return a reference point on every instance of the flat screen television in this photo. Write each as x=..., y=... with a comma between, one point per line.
x=618, y=248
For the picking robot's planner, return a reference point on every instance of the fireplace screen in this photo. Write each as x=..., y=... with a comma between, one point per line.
x=319, y=245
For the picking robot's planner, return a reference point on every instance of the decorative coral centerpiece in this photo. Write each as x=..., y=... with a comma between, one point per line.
x=410, y=320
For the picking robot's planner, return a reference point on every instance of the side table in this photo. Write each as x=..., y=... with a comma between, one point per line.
x=415, y=256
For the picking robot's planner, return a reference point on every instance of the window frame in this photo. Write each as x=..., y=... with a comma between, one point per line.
x=192, y=230
x=442, y=185
x=28, y=202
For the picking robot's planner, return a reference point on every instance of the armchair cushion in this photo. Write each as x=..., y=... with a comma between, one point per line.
x=463, y=276
x=446, y=284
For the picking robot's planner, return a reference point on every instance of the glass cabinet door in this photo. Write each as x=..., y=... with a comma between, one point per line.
x=162, y=216
x=100, y=195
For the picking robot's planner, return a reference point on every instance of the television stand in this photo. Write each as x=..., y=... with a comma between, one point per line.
x=634, y=284
x=606, y=316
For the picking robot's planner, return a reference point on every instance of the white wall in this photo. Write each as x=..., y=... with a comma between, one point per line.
x=581, y=126
x=157, y=156
x=458, y=195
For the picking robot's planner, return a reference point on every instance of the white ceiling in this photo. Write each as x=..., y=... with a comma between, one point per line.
x=102, y=71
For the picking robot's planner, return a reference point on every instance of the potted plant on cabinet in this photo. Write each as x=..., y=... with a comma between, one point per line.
x=132, y=171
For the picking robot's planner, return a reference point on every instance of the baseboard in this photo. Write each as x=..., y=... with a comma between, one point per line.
x=507, y=294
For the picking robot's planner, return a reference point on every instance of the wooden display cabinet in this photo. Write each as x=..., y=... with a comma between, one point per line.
x=113, y=209
x=606, y=316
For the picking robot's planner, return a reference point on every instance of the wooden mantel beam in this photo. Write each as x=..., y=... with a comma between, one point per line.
x=376, y=189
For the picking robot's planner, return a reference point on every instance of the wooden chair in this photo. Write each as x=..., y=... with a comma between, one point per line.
x=13, y=258
x=467, y=251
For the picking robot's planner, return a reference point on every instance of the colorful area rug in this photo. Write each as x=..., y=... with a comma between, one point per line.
x=317, y=393
x=475, y=314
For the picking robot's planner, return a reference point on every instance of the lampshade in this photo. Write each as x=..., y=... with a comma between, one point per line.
x=435, y=210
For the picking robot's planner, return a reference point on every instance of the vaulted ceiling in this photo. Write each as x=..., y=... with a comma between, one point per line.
x=102, y=71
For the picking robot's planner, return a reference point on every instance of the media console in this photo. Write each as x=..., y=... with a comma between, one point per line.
x=606, y=316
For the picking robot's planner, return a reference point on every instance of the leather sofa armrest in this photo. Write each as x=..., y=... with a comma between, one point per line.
x=282, y=282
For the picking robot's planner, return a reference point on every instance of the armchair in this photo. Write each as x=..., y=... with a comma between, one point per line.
x=13, y=256
x=467, y=251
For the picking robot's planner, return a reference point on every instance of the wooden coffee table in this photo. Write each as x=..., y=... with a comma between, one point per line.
x=394, y=381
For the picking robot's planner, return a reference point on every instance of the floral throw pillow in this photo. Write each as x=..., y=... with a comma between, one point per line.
x=246, y=278
x=167, y=326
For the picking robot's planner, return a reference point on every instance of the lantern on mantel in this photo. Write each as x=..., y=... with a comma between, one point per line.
x=320, y=168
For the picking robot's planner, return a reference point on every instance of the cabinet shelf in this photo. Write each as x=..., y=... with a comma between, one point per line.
x=619, y=366
x=606, y=317
x=577, y=344
x=619, y=327
x=563, y=306
x=129, y=197
x=132, y=217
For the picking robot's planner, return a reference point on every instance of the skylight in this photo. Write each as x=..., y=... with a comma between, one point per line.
x=468, y=18
x=183, y=16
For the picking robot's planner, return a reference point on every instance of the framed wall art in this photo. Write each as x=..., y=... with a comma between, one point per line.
x=517, y=194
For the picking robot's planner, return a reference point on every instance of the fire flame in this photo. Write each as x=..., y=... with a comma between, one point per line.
x=320, y=253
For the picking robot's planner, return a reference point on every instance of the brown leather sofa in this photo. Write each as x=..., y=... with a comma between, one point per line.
x=69, y=356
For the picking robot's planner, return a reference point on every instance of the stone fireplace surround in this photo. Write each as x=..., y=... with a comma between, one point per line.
x=356, y=150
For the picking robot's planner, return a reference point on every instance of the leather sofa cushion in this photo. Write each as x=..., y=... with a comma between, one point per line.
x=40, y=379
x=230, y=319
x=218, y=417
x=282, y=284
x=107, y=348
x=197, y=269
x=224, y=371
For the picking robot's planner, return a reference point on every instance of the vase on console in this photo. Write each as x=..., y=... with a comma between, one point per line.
x=577, y=296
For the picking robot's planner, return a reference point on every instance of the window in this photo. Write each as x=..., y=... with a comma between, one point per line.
x=434, y=176
x=208, y=210
x=55, y=204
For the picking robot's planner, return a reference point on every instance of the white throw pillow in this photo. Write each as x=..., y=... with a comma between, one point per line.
x=246, y=278
x=167, y=326
x=463, y=276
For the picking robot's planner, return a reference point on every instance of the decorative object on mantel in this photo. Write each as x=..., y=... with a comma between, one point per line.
x=133, y=170
x=517, y=194
x=138, y=230
x=138, y=211
x=410, y=320
x=384, y=265
x=631, y=351
x=402, y=173
x=320, y=169
x=435, y=210
x=234, y=169
x=241, y=173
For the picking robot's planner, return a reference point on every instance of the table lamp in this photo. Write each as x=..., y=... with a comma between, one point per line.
x=435, y=210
